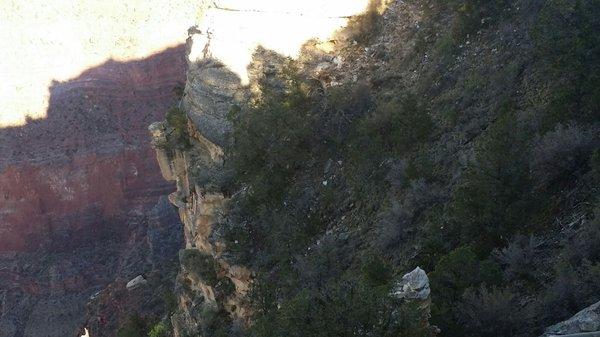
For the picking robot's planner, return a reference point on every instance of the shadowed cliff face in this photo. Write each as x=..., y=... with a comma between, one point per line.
x=90, y=155
x=79, y=196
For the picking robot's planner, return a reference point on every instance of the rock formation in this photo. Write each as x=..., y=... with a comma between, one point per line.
x=223, y=63
x=584, y=323
x=207, y=283
x=413, y=286
x=80, y=189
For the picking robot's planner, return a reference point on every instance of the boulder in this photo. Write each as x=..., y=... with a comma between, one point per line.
x=137, y=282
x=584, y=323
x=413, y=286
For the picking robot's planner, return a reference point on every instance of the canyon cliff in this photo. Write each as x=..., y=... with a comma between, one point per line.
x=80, y=203
x=342, y=168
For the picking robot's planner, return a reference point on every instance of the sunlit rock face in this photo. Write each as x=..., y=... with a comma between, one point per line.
x=231, y=30
x=43, y=41
x=77, y=192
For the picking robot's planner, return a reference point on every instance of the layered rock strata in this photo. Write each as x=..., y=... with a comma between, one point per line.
x=79, y=192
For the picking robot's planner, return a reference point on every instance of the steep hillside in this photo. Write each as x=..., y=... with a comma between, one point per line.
x=460, y=136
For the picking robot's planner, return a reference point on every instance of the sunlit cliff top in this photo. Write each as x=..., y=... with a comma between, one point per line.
x=42, y=41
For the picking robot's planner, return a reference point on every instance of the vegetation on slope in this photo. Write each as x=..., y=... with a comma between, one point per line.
x=336, y=175
x=481, y=164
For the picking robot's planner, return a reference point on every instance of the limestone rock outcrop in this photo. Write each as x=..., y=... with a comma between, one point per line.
x=207, y=282
x=136, y=282
x=584, y=323
x=413, y=286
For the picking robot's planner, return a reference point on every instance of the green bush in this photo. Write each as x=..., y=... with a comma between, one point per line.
x=177, y=119
x=561, y=155
x=215, y=323
x=280, y=143
x=571, y=289
x=237, y=235
x=160, y=329
x=365, y=26
x=272, y=137
x=349, y=307
x=584, y=244
x=179, y=90
x=474, y=14
x=225, y=287
x=456, y=272
x=392, y=130
x=421, y=166
x=396, y=126
x=495, y=312
x=519, y=258
x=595, y=166
x=377, y=272
x=135, y=326
x=495, y=199
x=170, y=301
x=199, y=264
x=469, y=15
x=568, y=44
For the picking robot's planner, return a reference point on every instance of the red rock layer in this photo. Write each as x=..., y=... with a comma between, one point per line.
x=90, y=156
x=79, y=197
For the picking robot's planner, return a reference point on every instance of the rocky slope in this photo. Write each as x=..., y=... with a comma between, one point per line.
x=212, y=288
x=80, y=189
x=458, y=136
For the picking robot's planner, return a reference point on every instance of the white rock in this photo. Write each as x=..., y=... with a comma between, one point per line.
x=138, y=281
x=323, y=66
x=338, y=61
x=414, y=285
x=585, y=321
